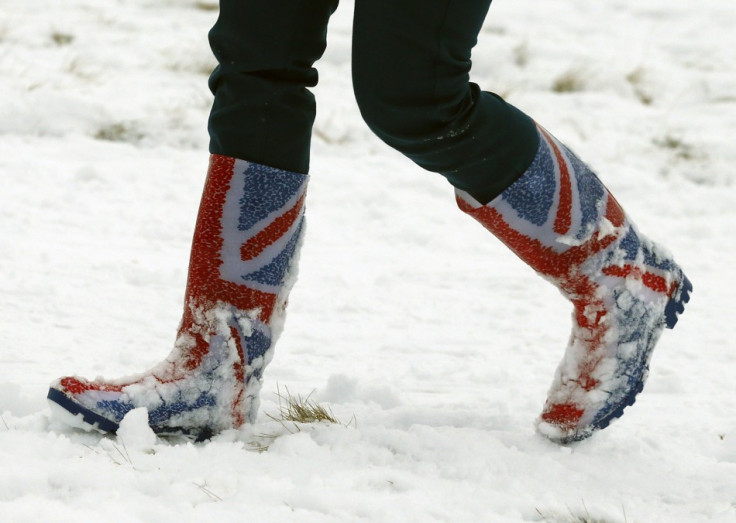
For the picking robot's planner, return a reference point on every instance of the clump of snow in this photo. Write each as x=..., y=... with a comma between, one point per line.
x=134, y=432
x=342, y=388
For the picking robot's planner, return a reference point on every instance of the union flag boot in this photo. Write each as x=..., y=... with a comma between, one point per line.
x=560, y=219
x=242, y=266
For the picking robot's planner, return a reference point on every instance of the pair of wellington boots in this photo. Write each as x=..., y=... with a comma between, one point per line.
x=557, y=217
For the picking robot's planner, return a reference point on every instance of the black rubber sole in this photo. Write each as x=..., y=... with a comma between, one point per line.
x=97, y=422
x=94, y=420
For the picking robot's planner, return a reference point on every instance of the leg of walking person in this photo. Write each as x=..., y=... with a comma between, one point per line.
x=411, y=63
x=266, y=49
x=247, y=233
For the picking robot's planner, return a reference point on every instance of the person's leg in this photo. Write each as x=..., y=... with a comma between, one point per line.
x=263, y=111
x=562, y=221
x=411, y=64
x=247, y=234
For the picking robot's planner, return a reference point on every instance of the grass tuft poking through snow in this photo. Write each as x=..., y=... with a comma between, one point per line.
x=294, y=413
x=570, y=81
x=297, y=409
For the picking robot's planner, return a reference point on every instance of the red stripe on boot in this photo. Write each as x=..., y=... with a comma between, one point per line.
x=563, y=220
x=275, y=230
x=653, y=281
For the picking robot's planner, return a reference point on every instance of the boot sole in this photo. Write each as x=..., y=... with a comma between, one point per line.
x=80, y=417
x=92, y=420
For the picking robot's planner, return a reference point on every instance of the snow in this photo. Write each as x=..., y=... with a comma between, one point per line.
x=134, y=432
x=431, y=343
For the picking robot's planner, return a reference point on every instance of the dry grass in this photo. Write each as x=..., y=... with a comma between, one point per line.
x=296, y=409
x=521, y=54
x=119, y=132
x=207, y=5
x=294, y=413
x=636, y=80
x=680, y=149
x=569, y=82
x=61, y=38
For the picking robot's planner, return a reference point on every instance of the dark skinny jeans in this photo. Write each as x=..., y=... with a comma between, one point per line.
x=411, y=64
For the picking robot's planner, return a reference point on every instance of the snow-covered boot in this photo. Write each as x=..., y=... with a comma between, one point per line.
x=242, y=266
x=560, y=219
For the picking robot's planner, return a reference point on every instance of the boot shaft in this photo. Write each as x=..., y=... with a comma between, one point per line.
x=563, y=222
x=250, y=220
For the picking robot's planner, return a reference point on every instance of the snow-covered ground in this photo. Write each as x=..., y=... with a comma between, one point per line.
x=430, y=341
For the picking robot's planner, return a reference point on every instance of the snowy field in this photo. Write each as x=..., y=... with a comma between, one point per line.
x=430, y=342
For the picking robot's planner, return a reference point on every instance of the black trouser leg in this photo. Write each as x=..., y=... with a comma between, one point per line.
x=263, y=111
x=411, y=60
